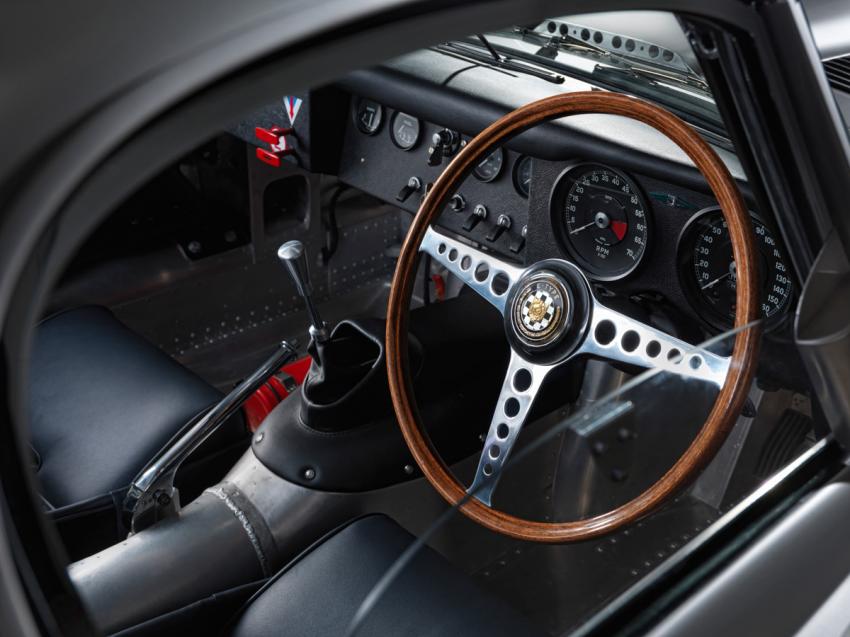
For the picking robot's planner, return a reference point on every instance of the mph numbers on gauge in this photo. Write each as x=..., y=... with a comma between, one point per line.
x=710, y=275
x=601, y=219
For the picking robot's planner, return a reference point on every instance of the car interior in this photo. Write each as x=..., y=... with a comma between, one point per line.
x=262, y=393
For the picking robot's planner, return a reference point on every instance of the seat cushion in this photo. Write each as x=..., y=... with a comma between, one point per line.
x=318, y=594
x=103, y=401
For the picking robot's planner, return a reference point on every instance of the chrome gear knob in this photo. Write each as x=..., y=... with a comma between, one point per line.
x=293, y=256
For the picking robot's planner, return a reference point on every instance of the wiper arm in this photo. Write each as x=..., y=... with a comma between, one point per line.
x=496, y=57
x=471, y=52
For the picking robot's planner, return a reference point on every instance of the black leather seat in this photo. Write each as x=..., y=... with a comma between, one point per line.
x=103, y=401
x=318, y=594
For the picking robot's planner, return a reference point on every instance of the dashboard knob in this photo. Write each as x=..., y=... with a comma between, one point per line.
x=457, y=203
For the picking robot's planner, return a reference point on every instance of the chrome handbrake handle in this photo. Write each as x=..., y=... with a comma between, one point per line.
x=152, y=494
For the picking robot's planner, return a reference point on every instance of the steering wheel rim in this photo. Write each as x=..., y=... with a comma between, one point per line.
x=741, y=364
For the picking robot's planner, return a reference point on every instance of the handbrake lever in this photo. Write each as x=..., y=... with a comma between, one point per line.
x=152, y=494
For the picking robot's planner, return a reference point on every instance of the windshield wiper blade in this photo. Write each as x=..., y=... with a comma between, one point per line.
x=659, y=75
x=492, y=57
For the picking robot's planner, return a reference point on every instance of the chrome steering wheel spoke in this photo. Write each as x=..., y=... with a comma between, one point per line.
x=519, y=389
x=617, y=337
x=492, y=278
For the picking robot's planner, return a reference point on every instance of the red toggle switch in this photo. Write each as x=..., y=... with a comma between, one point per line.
x=271, y=135
x=273, y=158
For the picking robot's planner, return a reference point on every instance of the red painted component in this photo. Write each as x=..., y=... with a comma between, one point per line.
x=267, y=397
x=271, y=135
x=265, y=135
x=272, y=158
x=439, y=287
x=619, y=228
x=267, y=156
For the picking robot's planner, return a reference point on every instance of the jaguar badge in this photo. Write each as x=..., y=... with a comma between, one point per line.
x=539, y=310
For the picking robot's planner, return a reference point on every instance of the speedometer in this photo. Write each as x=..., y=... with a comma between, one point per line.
x=709, y=274
x=602, y=220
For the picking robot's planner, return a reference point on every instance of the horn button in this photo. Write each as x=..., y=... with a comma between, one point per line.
x=549, y=311
x=541, y=310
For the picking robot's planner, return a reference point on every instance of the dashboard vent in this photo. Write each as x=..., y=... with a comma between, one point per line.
x=838, y=73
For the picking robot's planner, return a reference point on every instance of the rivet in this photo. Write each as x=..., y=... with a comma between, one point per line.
x=259, y=437
x=309, y=473
x=408, y=469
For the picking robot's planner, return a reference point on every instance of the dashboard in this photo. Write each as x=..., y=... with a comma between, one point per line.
x=635, y=236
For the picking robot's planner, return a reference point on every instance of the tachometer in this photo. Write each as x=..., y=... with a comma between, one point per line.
x=708, y=270
x=602, y=220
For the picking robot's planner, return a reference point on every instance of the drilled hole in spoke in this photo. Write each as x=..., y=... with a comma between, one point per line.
x=630, y=341
x=500, y=283
x=605, y=332
x=453, y=254
x=482, y=271
x=511, y=407
x=487, y=469
x=502, y=431
x=522, y=379
x=695, y=362
x=466, y=262
x=441, y=249
x=674, y=355
x=494, y=451
x=653, y=349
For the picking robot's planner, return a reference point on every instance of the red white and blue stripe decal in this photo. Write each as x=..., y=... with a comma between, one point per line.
x=292, y=105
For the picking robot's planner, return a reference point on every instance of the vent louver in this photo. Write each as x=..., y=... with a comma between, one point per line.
x=838, y=73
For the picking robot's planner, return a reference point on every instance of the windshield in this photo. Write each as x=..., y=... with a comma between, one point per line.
x=643, y=53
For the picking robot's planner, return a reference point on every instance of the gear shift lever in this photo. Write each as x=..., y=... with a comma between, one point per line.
x=293, y=256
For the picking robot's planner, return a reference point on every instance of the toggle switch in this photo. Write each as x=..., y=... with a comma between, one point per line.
x=518, y=243
x=479, y=214
x=413, y=185
x=502, y=223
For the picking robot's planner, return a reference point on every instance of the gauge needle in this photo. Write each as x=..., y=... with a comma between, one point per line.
x=711, y=284
x=584, y=227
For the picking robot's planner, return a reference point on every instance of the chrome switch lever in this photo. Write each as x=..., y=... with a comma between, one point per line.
x=293, y=256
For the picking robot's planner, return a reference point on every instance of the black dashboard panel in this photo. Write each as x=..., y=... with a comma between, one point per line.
x=373, y=162
x=377, y=165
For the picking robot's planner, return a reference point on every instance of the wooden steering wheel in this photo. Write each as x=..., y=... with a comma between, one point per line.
x=576, y=324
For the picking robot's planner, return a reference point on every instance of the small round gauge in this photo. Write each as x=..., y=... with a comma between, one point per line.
x=490, y=167
x=369, y=116
x=405, y=130
x=602, y=220
x=522, y=175
x=708, y=269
